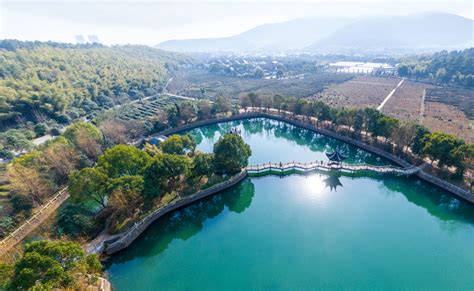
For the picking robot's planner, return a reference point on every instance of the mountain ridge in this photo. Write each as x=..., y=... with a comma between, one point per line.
x=423, y=31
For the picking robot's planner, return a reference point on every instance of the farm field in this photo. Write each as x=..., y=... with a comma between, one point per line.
x=360, y=92
x=200, y=84
x=462, y=99
x=144, y=110
x=447, y=118
x=405, y=104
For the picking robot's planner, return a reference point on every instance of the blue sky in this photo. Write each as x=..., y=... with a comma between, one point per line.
x=153, y=21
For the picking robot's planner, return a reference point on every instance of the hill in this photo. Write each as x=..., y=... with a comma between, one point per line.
x=41, y=81
x=428, y=31
x=284, y=36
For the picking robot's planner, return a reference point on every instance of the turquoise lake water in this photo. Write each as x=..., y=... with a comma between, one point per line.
x=310, y=232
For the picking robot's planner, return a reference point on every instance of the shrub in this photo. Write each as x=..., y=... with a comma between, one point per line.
x=40, y=129
x=76, y=220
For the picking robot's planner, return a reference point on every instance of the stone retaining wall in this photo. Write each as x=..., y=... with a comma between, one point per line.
x=461, y=193
x=129, y=236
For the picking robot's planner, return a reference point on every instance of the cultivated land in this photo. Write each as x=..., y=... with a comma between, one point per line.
x=360, y=92
x=462, y=99
x=145, y=110
x=450, y=110
x=447, y=118
x=201, y=84
x=405, y=104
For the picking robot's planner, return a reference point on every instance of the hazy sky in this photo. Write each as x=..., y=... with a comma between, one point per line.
x=150, y=22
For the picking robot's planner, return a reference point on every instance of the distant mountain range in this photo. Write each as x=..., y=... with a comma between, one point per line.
x=421, y=32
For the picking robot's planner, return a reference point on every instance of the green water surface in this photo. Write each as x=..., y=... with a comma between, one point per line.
x=316, y=232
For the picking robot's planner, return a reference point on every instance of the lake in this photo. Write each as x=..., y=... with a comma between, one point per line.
x=320, y=231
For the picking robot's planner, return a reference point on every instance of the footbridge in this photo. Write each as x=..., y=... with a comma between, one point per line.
x=288, y=168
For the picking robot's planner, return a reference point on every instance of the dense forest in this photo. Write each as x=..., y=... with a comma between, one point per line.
x=41, y=81
x=444, y=68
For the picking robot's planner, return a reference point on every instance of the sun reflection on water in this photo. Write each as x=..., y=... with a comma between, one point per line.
x=315, y=186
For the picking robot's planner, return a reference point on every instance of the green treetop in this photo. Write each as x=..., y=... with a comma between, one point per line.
x=231, y=154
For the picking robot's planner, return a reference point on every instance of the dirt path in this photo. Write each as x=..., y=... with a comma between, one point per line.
x=389, y=95
x=422, y=108
x=31, y=224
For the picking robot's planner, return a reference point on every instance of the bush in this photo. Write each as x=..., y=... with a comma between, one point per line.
x=22, y=204
x=6, y=225
x=76, y=220
x=62, y=118
x=40, y=129
x=55, y=131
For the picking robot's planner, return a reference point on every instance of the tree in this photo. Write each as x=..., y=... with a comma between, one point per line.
x=154, y=182
x=178, y=144
x=174, y=116
x=124, y=204
x=6, y=272
x=385, y=126
x=40, y=129
x=278, y=101
x=254, y=101
x=204, y=109
x=300, y=107
x=123, y=160
x=245, y=101
x=325, y=113
x=163, y=173
x=86, y=138
x=125, y=183
x=404, y=134
x=419, y=140
x=202, y=165
x=188, y=111
x=463, y=157
x=22, y=204
x=28, y=182
x=359, y=121
x=159, y=122
x=6, y=225
x=279, y=74
x=223, y=104
x=259, y=74
x=442, y=146
x=231, y=154
x=18, y=140
x=76, y=220
x=174, y=166
x=52, y=264
x=60, y=158
x=267, y=102
x=115, y=132
x=89, y=184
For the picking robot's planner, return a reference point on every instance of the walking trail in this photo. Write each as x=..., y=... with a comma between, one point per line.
x=389, y=95
x=31, y=224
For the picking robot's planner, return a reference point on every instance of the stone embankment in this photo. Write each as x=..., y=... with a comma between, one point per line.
x=126, y=238
x=458, y=191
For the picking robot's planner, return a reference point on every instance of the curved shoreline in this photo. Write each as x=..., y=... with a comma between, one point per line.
x=457, y=191
x=124, y=239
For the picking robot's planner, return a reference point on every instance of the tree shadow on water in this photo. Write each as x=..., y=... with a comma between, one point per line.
x=437, y=202
x=187, y=222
